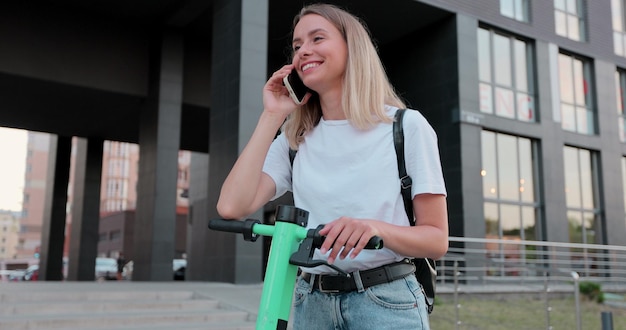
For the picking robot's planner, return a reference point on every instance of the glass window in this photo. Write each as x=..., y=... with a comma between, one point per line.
x=506, y=76
x=577, y=111
x=508, y=179
x=580, y=187
x=488, y=171
x=515, y=9
x=508, y=169
x=115, y=235
x=618, y=16
x=569, y=20
x=583, y=211
x=624, y=183
x=511, y=207
x=620, y=89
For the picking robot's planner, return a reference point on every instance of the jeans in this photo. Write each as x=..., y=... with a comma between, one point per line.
x=397, y=305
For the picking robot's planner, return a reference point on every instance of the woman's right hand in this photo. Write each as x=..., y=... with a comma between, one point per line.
x=275, y=95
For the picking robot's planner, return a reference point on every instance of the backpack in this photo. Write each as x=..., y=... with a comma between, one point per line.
x=425, y=270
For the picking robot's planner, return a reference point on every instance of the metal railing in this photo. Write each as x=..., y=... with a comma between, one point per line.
x=551, y=270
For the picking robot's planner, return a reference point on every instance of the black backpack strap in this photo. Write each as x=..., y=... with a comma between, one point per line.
x=425, y=271
x=405, y=180
x=292, y=156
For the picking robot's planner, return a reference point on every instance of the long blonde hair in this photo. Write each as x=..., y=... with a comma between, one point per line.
x=366, y=87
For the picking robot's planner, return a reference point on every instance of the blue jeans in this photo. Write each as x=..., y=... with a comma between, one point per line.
x=396, y=305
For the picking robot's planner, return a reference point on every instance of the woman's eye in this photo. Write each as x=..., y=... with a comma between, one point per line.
x=317, y=38
x=295, y=48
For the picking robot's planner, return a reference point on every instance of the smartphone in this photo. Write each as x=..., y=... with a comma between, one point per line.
x=295, y=86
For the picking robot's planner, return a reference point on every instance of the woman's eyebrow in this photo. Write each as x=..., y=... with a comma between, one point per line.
x=314, y=31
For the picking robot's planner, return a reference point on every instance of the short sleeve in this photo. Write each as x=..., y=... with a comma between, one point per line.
x=278, y=166
x=422, y=155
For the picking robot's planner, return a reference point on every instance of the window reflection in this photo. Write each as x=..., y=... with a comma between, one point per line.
x=620, y=88
x=515, y=9
x=508, y=169
x=580, y=175
x=502, y=57
x=510, y=210
x=572, y=182
x=488, y=171
x=484, y=55
x=506, y=84
x=619, y=29
x=492, y=221
x=577, y=113
x=568, y=19
x=526, y=182
x=624, y=182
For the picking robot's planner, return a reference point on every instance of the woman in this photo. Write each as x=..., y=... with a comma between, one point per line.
x=345, y=174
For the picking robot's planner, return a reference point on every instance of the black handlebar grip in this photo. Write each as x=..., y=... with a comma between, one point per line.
x=231, y=226
x=234, y=226
x=374, y=243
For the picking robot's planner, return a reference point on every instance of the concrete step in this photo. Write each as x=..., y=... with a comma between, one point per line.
x=94, y=295
x=231, y=325
x=94, y=307
x=120, y=306
x=217, y=319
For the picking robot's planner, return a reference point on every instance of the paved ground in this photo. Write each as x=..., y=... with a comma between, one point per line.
x=128, y=305
x=241, y=296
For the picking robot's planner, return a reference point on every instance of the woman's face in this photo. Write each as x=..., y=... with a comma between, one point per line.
x=320, y=53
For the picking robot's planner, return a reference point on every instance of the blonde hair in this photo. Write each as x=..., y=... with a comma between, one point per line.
x=366, y=88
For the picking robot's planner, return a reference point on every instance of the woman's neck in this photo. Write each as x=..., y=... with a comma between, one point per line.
x=332, y=106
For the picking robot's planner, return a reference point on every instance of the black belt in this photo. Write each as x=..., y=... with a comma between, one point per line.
x=370, y=277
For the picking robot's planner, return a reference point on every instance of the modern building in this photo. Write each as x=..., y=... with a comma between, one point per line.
x=117, y=235
x=9, y=227
x=117, y=198
x=526, y=98
x=35, y=176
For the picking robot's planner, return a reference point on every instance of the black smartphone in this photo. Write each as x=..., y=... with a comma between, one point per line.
x=295, y=86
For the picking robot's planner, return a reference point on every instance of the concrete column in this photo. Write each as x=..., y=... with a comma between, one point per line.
x=53, y=230
x=238, y=74
x=196, y=234
x=554, y=218
x=85, y=210
x=159, y=140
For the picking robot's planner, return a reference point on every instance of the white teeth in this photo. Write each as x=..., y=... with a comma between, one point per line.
x=310, y=65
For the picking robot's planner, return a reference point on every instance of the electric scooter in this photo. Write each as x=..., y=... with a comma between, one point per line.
x=292, y=246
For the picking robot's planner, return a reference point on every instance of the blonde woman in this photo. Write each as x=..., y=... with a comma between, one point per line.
x=345, y=174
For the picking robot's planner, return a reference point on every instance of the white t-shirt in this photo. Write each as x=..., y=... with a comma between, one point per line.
x=340, y=170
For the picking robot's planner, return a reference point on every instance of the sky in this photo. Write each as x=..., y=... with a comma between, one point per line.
x=12, y=163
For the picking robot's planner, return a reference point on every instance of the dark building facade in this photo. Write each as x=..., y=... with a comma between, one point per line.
x=117, y=234
x=526, y=98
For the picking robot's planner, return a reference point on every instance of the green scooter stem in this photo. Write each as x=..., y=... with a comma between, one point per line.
x=280, y=275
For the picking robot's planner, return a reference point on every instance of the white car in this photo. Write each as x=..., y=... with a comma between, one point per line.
x=106, y=269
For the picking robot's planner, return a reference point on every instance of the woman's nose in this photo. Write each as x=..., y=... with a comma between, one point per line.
x=304, y=50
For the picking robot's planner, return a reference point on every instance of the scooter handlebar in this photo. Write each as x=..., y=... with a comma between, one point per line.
x=235, y=226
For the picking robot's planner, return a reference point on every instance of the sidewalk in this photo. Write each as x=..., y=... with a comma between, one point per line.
x=241, y=296
x=128, y=305
x=161, y=305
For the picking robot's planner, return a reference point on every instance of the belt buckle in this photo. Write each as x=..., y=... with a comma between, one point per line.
x=321, y=289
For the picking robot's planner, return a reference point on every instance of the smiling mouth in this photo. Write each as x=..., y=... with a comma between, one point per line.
x=310, y=65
